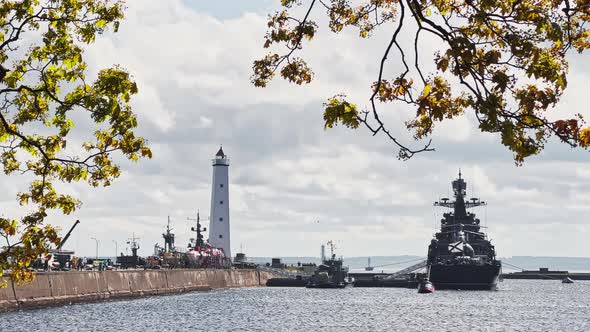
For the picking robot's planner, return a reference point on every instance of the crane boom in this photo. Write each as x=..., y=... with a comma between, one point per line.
x=63, y=241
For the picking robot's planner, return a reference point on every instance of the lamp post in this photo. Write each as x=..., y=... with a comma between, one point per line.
x=93, y=238
x=116, y=249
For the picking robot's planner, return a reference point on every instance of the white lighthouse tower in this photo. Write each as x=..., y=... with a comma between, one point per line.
x=219, y=219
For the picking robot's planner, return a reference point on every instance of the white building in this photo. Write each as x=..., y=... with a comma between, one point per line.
x=219, y=219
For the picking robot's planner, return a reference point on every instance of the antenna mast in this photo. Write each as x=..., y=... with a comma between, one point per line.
x=134, y=244
x=199, y=240
x=168, y=238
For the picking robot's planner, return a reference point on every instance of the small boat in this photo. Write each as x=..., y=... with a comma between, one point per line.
x=425, y=287
x=567, y=280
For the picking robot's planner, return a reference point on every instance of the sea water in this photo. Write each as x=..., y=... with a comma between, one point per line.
x=519, y=305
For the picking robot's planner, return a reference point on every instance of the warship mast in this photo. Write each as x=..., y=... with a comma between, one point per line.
x=168, y=238
x=199, y=241
x=133, y=244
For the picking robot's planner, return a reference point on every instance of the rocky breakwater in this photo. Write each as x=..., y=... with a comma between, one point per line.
x=58, y=288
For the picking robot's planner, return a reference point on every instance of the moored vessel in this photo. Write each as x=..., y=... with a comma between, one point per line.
x=202, y=254
x=460, y=256
x=331, y=273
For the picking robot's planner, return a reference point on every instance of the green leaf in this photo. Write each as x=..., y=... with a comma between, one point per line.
x=38, y=117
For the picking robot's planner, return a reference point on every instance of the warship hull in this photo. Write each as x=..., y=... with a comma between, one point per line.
x=468, y=277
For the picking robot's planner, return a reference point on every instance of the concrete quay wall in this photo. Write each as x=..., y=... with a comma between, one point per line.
x=58, y=288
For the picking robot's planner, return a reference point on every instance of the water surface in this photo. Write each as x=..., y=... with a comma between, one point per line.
x=520, y=305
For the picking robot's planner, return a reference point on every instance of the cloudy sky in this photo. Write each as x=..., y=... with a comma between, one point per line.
x=293, y=184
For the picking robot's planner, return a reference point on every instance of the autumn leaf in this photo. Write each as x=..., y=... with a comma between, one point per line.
x=508, y=61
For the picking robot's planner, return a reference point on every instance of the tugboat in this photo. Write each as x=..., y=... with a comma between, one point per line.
x=331, y=273
x=460, y=256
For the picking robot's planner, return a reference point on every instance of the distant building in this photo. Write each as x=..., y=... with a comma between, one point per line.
x=219, y=220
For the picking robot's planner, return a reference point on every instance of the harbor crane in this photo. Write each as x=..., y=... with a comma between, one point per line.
x=60, y=256
x=65, y=238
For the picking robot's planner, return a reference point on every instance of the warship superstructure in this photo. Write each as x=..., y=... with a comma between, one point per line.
x=460, y=256
x=203, y=254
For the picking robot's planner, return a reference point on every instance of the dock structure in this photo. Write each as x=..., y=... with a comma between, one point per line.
x=63, y=288
x=544, y=273
x=409, y=269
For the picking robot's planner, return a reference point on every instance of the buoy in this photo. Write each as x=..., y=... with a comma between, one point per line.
x=425, y=287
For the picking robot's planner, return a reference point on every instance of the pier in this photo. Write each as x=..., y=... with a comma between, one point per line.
x=545, y=274
x=59, y=288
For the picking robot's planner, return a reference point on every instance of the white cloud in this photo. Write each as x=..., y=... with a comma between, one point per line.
x=152, y=109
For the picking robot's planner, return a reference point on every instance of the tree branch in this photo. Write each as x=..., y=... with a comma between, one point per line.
x=405, y=152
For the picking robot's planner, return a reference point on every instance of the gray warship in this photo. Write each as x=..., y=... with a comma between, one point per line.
x=460, y=256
